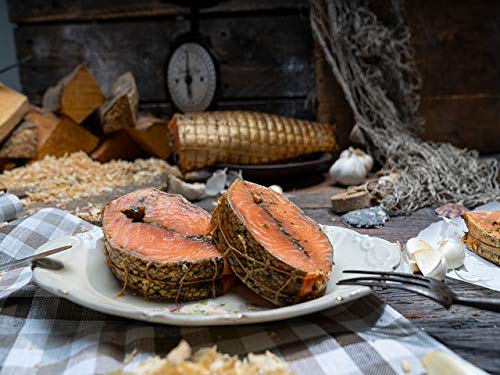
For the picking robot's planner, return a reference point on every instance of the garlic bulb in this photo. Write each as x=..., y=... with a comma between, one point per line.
x=453, y=251
x=351, y=167
x=276, y=188
x=431, y=263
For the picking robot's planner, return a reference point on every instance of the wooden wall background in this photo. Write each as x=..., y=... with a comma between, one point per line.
x=266, y=53
x=264, y=48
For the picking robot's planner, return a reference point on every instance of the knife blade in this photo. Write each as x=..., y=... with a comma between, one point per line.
x=26, y=261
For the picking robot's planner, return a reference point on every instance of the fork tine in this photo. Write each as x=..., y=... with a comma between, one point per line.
x=387, y=285
x=401, y=274
x=394, y=278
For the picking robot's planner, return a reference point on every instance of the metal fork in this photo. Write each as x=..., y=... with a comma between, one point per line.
x=426, y=286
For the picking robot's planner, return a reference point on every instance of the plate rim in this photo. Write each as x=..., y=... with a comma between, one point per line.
x=99, y=303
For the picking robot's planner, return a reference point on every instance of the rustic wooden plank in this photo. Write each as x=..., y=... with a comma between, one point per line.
x=260, y=57
x=465, y=120
x=295, y=107
x=457, y=45
x=31, y=11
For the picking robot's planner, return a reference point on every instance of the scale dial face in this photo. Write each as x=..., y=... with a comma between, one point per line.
x=191, y=77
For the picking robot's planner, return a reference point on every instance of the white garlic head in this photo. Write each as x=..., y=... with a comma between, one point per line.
x=351, y=167
x=276, y=188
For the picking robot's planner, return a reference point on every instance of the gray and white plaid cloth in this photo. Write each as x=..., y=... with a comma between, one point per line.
x=10, y=207
x=44, y=334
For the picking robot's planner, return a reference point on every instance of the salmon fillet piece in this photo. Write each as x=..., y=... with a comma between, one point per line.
x=482, y=249
x=272, y=246
x=154, y=239
x=484, y=226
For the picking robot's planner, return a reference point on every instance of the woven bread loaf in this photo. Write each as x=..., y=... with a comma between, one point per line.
x=243, y=137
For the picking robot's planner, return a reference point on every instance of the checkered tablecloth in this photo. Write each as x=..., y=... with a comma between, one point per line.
x=44, y=334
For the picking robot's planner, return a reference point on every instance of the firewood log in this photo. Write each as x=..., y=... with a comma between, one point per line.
x=22, y=143
x=75, y=96
x=120, y=109
x=117, y=145
x=13, y=107
x=151, y=134
x=67, y=137
x=44, y=121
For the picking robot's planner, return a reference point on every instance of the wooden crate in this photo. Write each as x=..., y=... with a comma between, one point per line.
x=264, y=48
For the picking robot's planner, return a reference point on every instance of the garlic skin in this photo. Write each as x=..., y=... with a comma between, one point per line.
x=191, y=191
x=431, y=263
x=453, y=251
x=351, y=167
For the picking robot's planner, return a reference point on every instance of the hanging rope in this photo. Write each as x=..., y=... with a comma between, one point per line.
x=373, y=63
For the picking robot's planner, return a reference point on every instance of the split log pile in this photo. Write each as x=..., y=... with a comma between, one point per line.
x=76, y=116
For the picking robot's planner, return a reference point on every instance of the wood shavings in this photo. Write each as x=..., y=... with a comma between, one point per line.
x=208, y=361
x=60, y=181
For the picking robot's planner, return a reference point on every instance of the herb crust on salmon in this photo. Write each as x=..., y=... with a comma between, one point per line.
x=271, y=245
x=159, y=245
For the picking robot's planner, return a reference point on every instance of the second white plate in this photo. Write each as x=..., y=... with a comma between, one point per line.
x=87, y=281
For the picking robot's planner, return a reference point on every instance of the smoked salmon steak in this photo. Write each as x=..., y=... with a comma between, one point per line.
x=159, y=245
x=271, y=245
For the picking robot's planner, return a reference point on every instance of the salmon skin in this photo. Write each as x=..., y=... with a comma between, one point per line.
x=271, y=245
x=159, y=244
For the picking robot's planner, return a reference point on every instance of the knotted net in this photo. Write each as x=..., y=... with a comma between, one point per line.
x=373, y=63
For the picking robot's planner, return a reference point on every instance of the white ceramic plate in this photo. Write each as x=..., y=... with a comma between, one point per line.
x=87, y=281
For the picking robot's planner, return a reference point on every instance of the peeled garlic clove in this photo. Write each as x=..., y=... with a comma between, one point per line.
x=440, y=363
x=276, y=188
x=453, y=251
x=415, y=244
x=431, y=263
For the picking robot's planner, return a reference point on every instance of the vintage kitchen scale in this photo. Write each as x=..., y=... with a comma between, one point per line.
x=193, y=84
x=192, y=73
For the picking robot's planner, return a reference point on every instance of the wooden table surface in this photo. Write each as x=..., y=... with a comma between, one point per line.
x=473, y=334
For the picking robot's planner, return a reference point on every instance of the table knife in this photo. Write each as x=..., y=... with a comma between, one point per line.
x=28, y=260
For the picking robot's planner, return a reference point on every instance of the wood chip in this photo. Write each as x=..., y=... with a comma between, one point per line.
x=350, y=200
